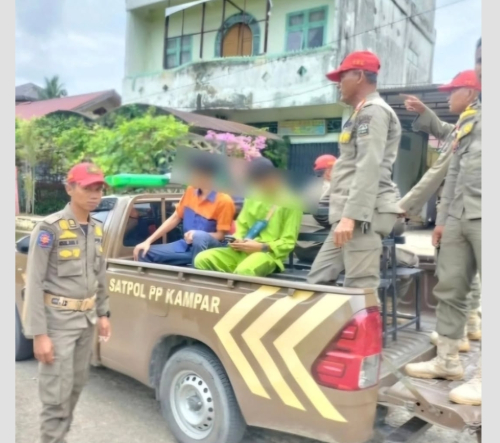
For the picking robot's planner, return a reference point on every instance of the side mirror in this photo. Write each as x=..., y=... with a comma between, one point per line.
x=23, y=245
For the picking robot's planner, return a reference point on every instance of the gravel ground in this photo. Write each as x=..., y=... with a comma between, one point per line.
x=115, y=408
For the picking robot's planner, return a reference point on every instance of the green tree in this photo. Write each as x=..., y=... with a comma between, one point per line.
x=28, y=147
x=53, y=89
x=142, y=145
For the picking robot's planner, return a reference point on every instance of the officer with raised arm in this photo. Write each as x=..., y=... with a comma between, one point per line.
x=458, y=231
x=464, y=90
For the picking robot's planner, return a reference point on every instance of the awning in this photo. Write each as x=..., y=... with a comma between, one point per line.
x=174, y=9
x=206, y=122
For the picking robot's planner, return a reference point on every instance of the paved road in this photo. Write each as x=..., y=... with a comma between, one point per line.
x=114, y=408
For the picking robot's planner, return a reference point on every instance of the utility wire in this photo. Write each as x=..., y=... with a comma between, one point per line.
x=254, y=66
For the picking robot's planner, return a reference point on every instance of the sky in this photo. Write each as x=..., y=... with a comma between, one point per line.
x=83, y=41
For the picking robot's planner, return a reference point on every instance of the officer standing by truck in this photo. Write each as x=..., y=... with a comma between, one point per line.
x=458, y=230
x=464, y=90
x=363, y=200
x=65, y=298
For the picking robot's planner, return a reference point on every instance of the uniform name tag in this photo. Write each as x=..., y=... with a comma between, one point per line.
x=68, y=242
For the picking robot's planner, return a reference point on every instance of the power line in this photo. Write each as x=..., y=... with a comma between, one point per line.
x=329, y=43
x=329, y=84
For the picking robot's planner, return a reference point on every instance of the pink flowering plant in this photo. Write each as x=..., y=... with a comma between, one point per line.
x=239, y=146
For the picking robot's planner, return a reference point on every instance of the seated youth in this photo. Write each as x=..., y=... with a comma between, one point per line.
x=206, y=216
x=254, y=252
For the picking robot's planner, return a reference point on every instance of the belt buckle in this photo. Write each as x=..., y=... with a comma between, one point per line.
x=84, y=305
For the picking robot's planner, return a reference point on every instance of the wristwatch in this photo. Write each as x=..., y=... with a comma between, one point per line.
x=108, y=314
x=265, y=247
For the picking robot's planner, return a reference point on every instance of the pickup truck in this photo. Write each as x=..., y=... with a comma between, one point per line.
x=225, y=351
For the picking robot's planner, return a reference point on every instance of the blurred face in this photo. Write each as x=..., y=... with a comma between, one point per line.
x=325, y=174
x=459, y=100
x=478, y=63
x=267, y=184
x=349, y=85
x=201, y=180
x=328, y=174
x=86, y=198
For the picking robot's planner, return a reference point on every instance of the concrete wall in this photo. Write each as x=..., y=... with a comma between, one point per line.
x=272, y=80
x=394, y=37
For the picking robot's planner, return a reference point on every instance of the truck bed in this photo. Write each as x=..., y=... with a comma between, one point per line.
x=411, y=346
x=414, y=346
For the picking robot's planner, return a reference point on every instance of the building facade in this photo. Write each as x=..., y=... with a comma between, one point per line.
x=263, y=62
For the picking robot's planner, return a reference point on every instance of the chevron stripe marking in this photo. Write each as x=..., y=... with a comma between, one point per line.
x=223, y=330
x=253, y=336
x=288, y=341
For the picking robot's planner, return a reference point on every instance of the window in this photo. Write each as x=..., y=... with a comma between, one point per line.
x=144, y=219
x=102, y=211
x=306, y=29
x=178, y=51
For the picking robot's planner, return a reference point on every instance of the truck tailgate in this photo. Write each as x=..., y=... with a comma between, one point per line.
x=442, y=411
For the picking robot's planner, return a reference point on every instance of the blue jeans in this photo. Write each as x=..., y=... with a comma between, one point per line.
x=179, y=253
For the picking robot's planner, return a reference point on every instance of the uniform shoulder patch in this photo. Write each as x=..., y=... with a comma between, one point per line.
x=363, y=129
x=51, y=219
x=45, y=239
x=364, y=119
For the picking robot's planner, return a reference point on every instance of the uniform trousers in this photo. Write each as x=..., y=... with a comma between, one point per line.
x=360, y=257
x=61, y=382
x=459, y=263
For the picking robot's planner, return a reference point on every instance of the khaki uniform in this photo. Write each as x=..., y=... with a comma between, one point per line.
x=429, y=184
x=362, y=190
x=64, y=262
x=460, y=213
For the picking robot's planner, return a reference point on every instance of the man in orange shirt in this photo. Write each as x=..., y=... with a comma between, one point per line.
x=207, y=216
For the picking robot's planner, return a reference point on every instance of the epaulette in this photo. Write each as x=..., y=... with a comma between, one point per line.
x=52, y=218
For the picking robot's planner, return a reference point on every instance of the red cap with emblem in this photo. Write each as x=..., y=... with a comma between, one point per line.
x=466, y=79
x=85, y=174
x=324, y=162
x=364, y=60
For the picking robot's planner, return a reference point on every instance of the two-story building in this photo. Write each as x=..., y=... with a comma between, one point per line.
x=263, y=62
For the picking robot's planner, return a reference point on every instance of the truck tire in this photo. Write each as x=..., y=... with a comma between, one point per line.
x=197, y=399
x=24, y=347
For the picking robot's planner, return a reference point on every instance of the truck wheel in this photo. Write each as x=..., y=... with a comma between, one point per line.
x=24, y=347
x=197, y=399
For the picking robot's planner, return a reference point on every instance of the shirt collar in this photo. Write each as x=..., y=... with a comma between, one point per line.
x=372, y=95
x=210, y=197
x=68, y=213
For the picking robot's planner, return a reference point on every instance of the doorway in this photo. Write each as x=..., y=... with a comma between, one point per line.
x=238, y=41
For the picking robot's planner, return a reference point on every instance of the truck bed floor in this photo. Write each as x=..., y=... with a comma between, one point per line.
x=414, y=346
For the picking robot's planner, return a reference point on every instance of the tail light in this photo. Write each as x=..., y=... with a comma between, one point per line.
x=352, y=360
